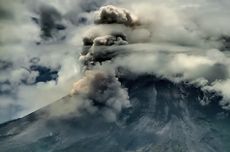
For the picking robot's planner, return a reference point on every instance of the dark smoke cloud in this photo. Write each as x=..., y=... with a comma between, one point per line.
x=113, y=15
x=94, y=49
x=103, y=89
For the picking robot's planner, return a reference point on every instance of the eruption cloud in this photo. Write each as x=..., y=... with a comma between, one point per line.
x=116, y=47
x=99, y=86
x=113, y=15
x=104, y=91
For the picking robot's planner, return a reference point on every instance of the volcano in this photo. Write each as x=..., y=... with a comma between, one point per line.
x=164, y=117
x=149, y=77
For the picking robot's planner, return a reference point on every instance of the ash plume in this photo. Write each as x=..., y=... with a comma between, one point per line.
x=114, y=15
x=121, y=30
x=95, y=45
x=103, y=90
x=94, y=50
x=99, y=86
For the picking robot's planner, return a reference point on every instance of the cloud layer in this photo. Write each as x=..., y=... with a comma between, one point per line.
x=169, y=41
x=182, y=41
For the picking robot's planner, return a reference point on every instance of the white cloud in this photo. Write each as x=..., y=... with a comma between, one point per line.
x=21, y=93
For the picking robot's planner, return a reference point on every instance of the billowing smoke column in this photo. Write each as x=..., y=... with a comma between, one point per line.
x=113, y=15
x=102, y=87
x=93, y=50
x=104, y=91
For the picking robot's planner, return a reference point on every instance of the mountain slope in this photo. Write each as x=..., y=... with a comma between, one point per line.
x=164, y=117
